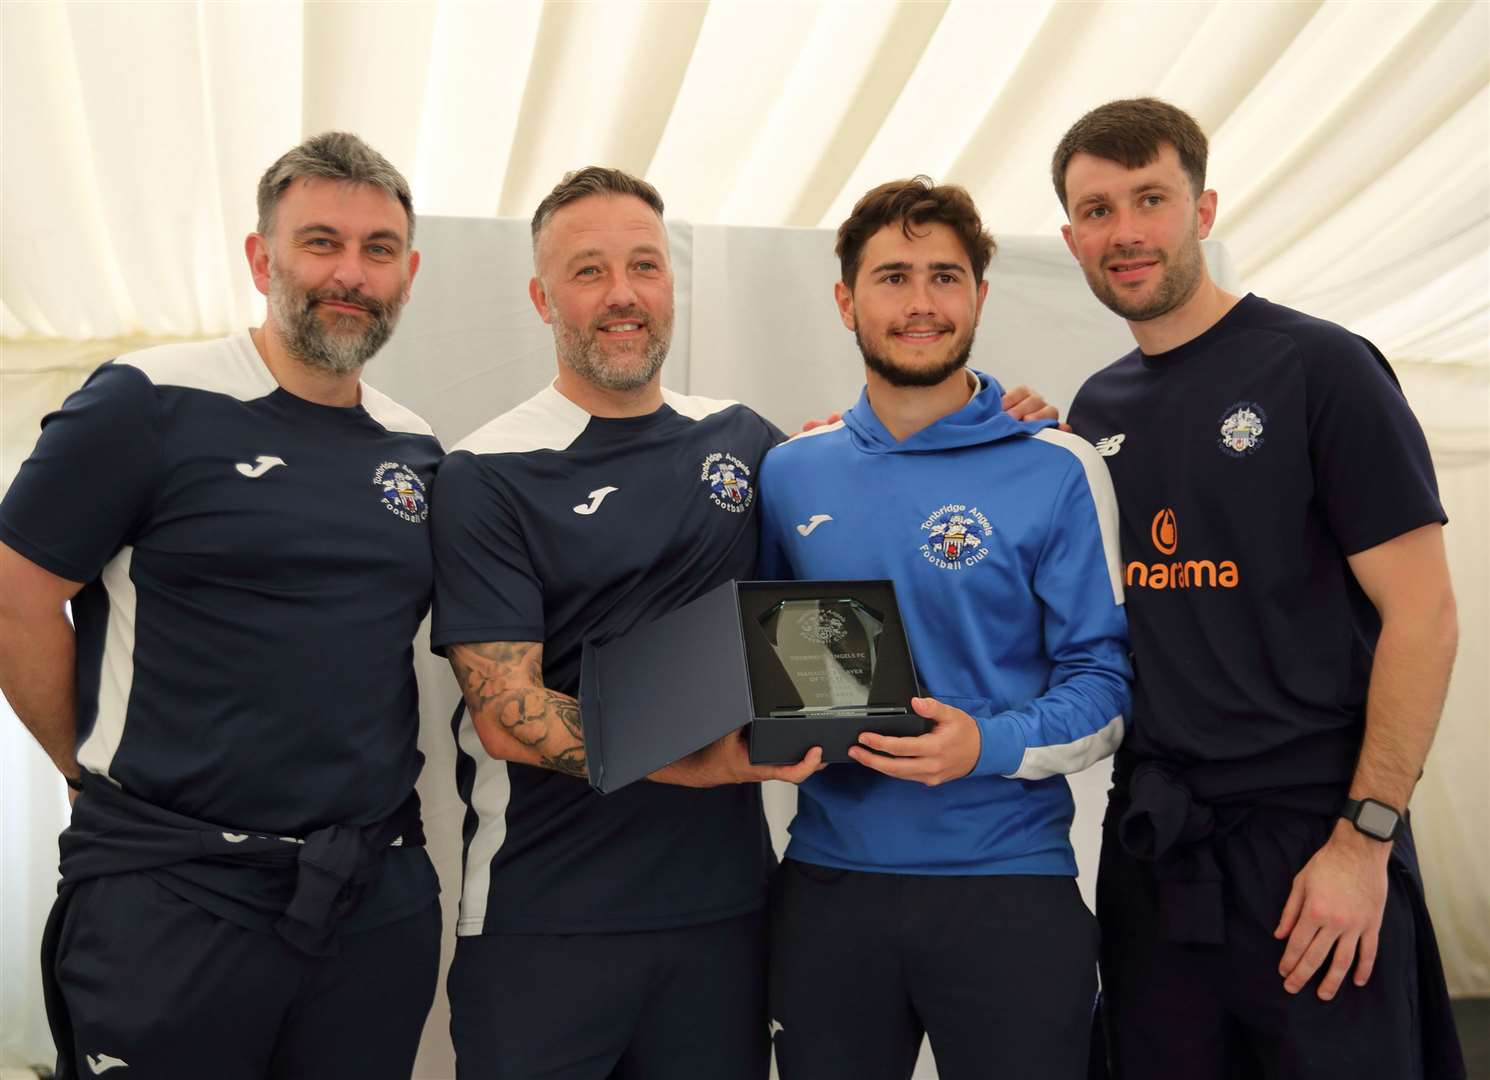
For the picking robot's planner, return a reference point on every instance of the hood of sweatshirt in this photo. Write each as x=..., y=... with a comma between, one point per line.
x=981, y=420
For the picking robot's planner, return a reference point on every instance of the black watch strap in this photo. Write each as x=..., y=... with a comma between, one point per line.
x=1373, y=818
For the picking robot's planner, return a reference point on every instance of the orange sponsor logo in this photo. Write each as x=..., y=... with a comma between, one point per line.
x=1164, y=532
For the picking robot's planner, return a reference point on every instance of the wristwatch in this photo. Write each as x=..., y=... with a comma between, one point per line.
x=1376, y=819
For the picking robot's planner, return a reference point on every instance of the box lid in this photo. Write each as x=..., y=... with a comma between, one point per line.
x=663, y=690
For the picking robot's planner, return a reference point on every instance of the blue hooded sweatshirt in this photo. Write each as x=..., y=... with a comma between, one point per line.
x=1002, y=539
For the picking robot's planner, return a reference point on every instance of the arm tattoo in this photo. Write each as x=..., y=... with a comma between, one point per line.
x=570, y=715
x=502, y=682
x=571, y=761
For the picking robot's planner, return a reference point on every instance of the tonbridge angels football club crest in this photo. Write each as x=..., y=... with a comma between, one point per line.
x=823, y=627
x=729, y=483
x=403, y=491
x=1241, y=428
x=955, y=536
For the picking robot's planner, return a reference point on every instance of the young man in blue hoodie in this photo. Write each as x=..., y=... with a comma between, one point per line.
x=929, y=887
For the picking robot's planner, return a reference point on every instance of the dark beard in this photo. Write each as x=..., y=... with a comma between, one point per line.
x=895, y=375
x=1182, y=276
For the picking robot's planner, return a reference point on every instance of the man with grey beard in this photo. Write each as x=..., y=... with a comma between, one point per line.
x=240, y=528
x=616, y=936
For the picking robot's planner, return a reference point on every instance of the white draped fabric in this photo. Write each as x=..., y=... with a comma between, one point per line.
x=1350, y=151
x=1349, y=139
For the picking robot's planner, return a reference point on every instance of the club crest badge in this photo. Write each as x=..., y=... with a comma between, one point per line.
x=823, y=627
x=1241, y=428
x=403, y=491
x=955, y=537
x=728, y=479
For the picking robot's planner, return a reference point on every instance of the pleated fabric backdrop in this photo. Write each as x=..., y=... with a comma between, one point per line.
x=1348, y=146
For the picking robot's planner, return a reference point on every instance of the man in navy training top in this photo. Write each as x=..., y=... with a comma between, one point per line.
x=1293, y=630
x=617, y=936
x=240, y=527
x=930, y=888
x=614, y=936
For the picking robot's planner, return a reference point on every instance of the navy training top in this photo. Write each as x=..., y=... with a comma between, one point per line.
x=558, y=527
x=1248, y=464
x=255, y=569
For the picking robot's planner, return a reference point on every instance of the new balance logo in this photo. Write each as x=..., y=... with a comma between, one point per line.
x=102, y=1063
x=1109, y=446
x=813, y=522
x=262, y=464
x=596, y=498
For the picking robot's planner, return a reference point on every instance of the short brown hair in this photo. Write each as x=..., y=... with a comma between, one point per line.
x=1132, y=132
x=916, y=201
x=332, y=155
x=592, y=180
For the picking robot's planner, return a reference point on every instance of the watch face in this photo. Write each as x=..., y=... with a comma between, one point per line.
x=1376, y=819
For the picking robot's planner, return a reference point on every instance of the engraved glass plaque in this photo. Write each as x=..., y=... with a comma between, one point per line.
x=827, y=648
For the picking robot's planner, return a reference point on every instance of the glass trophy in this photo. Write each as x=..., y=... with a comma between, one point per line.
x=827, y=647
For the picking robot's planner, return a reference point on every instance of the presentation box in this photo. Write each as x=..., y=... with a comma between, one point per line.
x=802, y=663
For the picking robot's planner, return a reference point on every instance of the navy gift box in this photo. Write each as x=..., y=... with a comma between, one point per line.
x=679, y=683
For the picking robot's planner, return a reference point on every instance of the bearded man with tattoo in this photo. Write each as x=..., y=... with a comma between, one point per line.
x=620, y=936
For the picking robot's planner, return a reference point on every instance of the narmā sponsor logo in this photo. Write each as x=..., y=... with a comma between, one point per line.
x=1177, y=573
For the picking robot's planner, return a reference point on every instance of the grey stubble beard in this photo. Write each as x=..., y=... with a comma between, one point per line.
x=583, y=354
